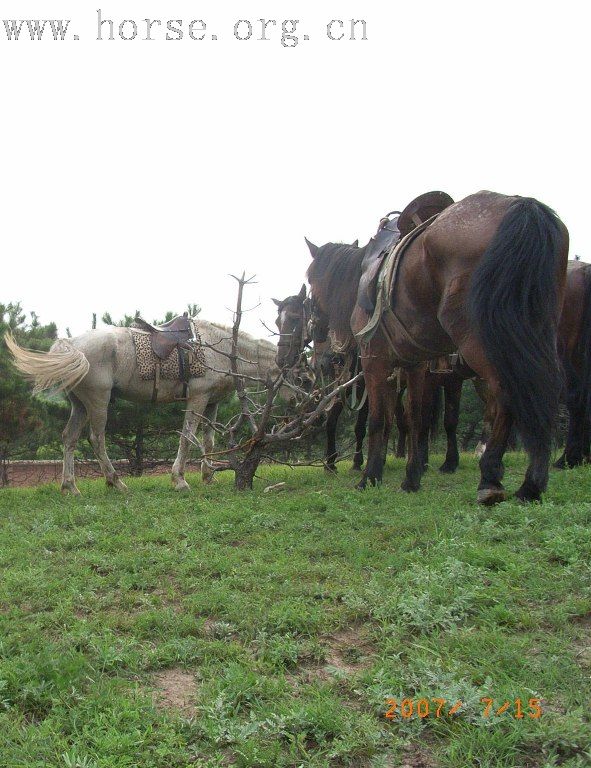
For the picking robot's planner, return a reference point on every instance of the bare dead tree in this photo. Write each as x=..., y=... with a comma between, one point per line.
x=261, y=430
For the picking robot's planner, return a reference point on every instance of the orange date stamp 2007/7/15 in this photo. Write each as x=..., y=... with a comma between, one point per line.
x=437, y=707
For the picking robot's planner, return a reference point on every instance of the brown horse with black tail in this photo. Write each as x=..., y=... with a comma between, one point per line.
x=486, y=278
x=574, y=344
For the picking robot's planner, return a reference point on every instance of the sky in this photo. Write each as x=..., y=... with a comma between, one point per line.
x=138, y=174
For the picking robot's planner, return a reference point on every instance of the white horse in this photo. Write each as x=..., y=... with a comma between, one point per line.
x=90, y=366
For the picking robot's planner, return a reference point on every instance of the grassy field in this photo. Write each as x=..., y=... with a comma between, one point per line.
x=214, y=629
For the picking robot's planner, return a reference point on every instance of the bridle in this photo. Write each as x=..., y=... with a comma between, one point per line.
x=301, y=339
x=317, y=323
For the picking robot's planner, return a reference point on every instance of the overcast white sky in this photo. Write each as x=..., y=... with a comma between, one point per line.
x=137, y=175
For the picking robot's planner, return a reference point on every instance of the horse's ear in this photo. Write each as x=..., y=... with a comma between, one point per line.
x=356, y=243
x=313, y=248
x=303, y=291
x=277, y=302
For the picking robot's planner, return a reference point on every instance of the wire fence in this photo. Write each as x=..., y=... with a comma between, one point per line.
x=31, y=473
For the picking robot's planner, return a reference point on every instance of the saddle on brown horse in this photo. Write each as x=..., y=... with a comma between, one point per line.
x=392, y=229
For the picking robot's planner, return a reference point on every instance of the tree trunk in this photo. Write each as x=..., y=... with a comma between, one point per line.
x=3, y=470
x=244, y=474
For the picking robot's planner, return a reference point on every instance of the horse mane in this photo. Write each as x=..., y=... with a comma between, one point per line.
x=335, y=272
x=249, y=347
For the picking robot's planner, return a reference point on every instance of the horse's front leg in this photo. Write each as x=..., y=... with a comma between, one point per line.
x=414, y=407
x=401, y=426
x=428, y=401
x=97, y=412
x=331, y=435
x=195, y=408
x=453, y=396
x=377, y=392
x=389, y=415
x=360, y=430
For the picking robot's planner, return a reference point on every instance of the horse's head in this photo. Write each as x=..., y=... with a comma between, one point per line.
x=293, y=314
x=333, y=276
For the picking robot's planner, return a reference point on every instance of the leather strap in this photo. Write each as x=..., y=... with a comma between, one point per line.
x=156, y=381
x=386, y=284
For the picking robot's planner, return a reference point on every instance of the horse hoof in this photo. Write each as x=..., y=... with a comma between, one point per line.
x=330, y=468
x=360, y=486
x=70, y=488
x=118, y=485
x=527, y=495
x=409, y=487
x=447, y=469
x=490, y=496
x=181, y=485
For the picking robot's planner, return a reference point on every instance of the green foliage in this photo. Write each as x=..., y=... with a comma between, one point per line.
x=24, y=422
x=294, y=616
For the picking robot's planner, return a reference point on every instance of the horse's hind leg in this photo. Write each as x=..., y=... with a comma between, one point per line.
x=536, y=476
x=574, y=449
x=98, y=421
x=490, y=489
x=71, y=435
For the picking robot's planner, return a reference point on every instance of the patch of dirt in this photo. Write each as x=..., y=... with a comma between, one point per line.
x=416, y=756
x=347, y=652
x=175, y=689
x=583, y=621
x=582, y=645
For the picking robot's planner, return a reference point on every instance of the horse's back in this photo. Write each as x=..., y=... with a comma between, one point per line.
x=465, y=229
x=576, y=297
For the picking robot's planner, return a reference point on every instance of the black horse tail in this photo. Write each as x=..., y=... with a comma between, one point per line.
x=585, y=349
x=514, y=305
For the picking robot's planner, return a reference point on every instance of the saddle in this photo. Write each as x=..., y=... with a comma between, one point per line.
x=392, y=229
x=176, y=334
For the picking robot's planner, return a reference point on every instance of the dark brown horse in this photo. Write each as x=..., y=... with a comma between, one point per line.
x=486, y=278
x=574, y=344
x=292, y=322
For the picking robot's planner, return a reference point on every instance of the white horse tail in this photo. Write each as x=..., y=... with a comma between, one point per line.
x=62, y=368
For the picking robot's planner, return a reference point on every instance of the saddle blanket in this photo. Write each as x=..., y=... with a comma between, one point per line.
x=169, y=368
